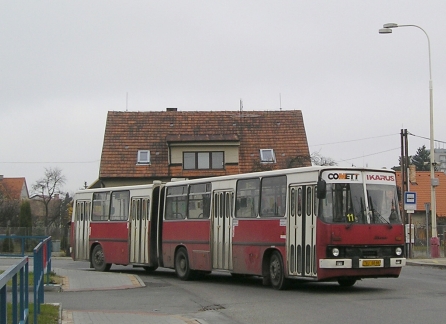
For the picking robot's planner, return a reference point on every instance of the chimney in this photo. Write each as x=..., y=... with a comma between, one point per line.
x=413, y=173
x=171, y=109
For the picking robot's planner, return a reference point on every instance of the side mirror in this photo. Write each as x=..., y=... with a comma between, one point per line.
x=321, y=189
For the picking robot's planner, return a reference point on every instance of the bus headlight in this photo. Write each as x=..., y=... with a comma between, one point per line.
x=335, y=252
x=398, y=251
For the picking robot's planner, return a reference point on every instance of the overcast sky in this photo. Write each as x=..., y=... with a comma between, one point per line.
x=65, y=64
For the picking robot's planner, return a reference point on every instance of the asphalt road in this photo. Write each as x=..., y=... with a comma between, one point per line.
x=418, y=296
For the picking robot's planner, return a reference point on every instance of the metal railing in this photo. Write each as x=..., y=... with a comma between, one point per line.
x=18, y=245
x=20, y=308
x=20, y=269
x=42, y=259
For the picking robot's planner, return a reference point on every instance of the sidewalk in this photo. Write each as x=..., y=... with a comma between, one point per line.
x=90, y=280
x=437, y=263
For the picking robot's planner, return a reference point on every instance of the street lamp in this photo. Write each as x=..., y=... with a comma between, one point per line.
x=387, y=29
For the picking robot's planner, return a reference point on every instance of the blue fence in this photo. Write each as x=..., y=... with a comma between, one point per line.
x=20, y=306
x=19, y=269
x=42, y=260
x=18, y=245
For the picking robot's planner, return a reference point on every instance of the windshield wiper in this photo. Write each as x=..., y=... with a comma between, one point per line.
x=381, y=218
x=376, y=213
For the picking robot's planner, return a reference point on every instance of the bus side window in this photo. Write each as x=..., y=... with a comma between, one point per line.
x=247, y=201
x=120, y=205
x=273, y=193
x=101, y=206
x=176, y=199
x=199, y=201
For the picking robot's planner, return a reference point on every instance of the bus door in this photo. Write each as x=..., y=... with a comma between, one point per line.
x=82, y=230
x=139, y=236
x=222, y=230
x=302, y=231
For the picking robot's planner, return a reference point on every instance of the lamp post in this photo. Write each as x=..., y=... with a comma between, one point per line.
x=387, y=29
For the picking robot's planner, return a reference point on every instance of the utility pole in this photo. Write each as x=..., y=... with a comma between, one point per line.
x=405, y=188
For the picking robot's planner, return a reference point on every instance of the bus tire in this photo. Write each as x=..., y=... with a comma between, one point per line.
x=276, y=272
x=98, y=259
x=182, y=267
x=346, y=282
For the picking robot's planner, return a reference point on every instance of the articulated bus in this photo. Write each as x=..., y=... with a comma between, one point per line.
x=312, y=223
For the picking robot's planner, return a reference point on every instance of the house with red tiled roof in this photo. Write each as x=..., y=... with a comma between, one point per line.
x=13, y=188
x=420, y=183
x=140, y=147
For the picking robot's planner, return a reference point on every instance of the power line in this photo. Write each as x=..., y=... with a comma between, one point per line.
x=356, y=140
x=40, y=162
x=426, y=138
x=362, y=156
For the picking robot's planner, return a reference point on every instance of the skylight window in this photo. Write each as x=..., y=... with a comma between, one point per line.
x=143, y=157
x=267, y=156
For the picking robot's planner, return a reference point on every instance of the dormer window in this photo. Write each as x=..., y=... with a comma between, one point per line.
x=203, y=160
x=267, y=156
x=143, y=157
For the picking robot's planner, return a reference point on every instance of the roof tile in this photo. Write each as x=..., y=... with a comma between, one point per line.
x=128, y=132
x=422, y=188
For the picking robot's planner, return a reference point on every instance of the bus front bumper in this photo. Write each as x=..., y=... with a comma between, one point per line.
x=362, y=263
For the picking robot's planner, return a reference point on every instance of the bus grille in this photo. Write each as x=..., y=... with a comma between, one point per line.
x=367, y=252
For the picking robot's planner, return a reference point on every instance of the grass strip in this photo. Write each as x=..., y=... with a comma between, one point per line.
x=54, y=279
x=49, y=314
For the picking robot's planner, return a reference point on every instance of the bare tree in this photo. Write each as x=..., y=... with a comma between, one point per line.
x=47, y=188
x=318, y=159
x=298, y=161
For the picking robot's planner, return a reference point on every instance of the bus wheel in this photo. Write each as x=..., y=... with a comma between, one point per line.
x=182, y=265
x=347, y=282
x=98, y=259
x=276, y=272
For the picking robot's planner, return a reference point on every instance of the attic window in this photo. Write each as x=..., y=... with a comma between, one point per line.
x=203, y=160
x=143, y=157
x=267, y=156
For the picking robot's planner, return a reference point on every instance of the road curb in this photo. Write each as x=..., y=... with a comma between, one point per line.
x=422, y=264
x=136, y=281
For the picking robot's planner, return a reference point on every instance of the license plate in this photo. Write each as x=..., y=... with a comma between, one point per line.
x=371, y=263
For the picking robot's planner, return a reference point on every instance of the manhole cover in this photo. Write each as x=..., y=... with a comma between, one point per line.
x=212, y=307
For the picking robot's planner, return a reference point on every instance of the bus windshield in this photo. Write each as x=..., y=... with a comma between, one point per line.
x=350, y=203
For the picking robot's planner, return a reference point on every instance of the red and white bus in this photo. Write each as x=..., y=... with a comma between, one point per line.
x=314, y=223
x=116, y=225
